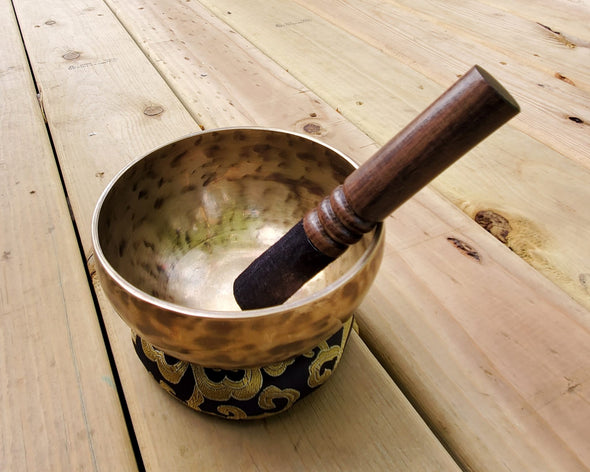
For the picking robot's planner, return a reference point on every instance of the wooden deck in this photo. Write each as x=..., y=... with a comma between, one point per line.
x=473, y=350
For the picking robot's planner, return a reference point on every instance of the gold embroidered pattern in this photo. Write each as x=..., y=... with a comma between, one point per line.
x=267, y=397
x=244, y=393
x=244, y=389
x=232, y=412
x=171, y=372
x=278, y=368
x=318, y=372
x=168, y=388
x=196, y=399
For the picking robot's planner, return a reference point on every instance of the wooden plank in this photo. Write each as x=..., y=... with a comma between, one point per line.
x=425, y=329
x=499, y=175
x=93, y=72
x=360, y=418
x=409, y=35
x=485, y=346
x=529, y=41
x=60, y=407
x=541, y=232
x=358, y=421
x=221, y=82
x=442, y=40
x=502, y=409
x=557, y=14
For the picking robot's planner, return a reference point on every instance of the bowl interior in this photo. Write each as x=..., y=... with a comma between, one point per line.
x=184, y=221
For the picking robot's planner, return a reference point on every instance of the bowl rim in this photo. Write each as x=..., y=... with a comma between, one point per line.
x=367, y=255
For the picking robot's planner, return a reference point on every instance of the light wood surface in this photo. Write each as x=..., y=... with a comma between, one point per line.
x=384, y=432
x=438, y=40
x=491, y=351
x=495, y=422
x=516, y=356
x=59, y=404
x=381, y=77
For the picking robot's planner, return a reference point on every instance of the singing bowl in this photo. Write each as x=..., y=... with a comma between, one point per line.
x=174, y=228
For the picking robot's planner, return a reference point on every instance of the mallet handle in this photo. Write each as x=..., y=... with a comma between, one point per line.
x=471, y=109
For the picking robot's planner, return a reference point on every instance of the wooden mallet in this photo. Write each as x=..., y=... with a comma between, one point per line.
x=470, y=110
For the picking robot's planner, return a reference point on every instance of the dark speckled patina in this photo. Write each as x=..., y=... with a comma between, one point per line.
x=173, y=230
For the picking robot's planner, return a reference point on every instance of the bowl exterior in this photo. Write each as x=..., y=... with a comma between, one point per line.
x=253, y=340
x=234, y=339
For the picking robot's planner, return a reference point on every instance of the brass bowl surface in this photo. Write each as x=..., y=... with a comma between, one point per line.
x=174, y=228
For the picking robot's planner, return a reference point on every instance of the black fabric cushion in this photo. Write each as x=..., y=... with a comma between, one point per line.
x=244, y=393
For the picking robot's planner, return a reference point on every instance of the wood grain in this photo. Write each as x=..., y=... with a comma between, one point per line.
x=505, y=441
x=544, y=229
x=471, y=109
x=59, y=403
x=500, y=397
x=217, y=75
x=378, y=76
x=486, y=347
x=527, y=54
x=106, y=82
x=381, y=429
x=556, y=14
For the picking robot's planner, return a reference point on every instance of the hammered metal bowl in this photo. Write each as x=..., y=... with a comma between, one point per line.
x=174, y=228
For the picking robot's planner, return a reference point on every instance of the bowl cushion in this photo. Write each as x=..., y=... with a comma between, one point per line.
x=244, y=393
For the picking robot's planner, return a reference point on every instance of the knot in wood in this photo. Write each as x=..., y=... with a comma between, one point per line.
x=153, y=110
x=494, y=223
x=313, y=128
x=71, y=55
